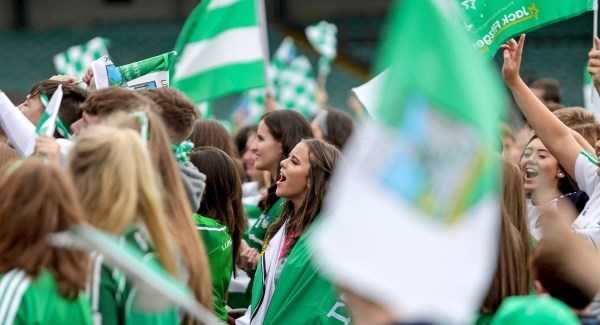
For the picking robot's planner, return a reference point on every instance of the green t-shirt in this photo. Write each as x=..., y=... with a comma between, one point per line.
x=38, y=301
x=113, y=301
x=256, y=234
x=219, y=248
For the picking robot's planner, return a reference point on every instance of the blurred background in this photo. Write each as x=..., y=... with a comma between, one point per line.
x=33, y=31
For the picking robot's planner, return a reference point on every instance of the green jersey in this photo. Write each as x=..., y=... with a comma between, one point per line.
x=219, y=249
x=38, y=301
x=256, y=234
x=113, y=295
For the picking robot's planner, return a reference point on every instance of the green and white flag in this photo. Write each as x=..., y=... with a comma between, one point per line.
x=149, y=73
x=75, y=60
x=106, y=73
x=296, y=87
x=47, y=122
x=256, y=104
x=493, y=22
x=153, y=280
x=323, y=37
x=430, y=185
x=591, y=99
x=220, y=50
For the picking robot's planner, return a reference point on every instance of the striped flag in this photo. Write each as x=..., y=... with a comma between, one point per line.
x=76, y=59
x=426, y=173
x=47, y=122
x=220, y=50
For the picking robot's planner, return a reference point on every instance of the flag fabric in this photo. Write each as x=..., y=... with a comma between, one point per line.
x=591, y=99
x=429, y=185
x=147, y=276
x=106, y=73
x=75, y=60
x=323, y=37
x=296, y=87
x=220, y=50
x=369, y=93
x=19, y=130
x=493, y=22
x=46, y=125
x=149, y=73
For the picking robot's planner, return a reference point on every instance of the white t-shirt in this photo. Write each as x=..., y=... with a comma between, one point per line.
x=587, y=222
x=533, y=215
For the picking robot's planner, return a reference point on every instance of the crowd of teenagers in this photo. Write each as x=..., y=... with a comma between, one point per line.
x=229, y=214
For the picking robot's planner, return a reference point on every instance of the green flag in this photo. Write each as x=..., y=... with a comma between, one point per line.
x=492, y=22
x=425, y=170
x=152, y=72
x=323, y=37
x=47, y=122
x=220, y=50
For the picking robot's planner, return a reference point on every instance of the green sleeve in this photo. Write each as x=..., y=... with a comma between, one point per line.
x=256, y=234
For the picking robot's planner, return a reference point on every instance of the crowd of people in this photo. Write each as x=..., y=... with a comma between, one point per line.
x=214, y=209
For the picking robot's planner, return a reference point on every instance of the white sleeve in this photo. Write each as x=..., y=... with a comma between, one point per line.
x=586, y=174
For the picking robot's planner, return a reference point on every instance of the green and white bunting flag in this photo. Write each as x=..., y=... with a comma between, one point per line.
x=147, y=276
x=323, y=37
x=256, y=104
x=286, y=52
x=430, y=185
x=47, y=123
x=76, y=59
x=591, y=99
x=149, y=73
x=220, y=50
x=493, y=22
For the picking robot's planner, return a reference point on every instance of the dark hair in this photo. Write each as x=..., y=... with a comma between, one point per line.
x=28, y=221
x=551, y=88
x=323, y=158
x=211, y=133
x=222, y=199
x=288, y=128
x=109, y=100
x=241, y=138
x=339, y=127
x=176, y=111
x=73, y=97
x=558, y=277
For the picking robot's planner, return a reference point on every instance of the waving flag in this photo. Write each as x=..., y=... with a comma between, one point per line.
x=76, y=59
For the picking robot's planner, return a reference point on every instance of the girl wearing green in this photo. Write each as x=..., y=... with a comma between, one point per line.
x=119, y=191
x=288, y=288
x=40, y=284
x=277, y=134
x=220, y=219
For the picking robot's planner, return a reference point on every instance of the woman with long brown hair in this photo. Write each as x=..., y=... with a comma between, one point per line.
x=288, y=288
x=176, y=204
x=40, y=284
x=512, y=276
x=220, y=218
x=121, y=195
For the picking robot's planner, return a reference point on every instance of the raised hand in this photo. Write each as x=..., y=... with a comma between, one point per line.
x=513, y=53
x=594, y=63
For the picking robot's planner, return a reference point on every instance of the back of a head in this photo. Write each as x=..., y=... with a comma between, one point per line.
x=551, y=89
x=176, y=203
x=222, y=198
x=37, y=200
x=107, y=101
x=287, y=127
x=118, y=185
x=561, y=278
x=73, y=97
x=176, y=111
x=339, y=127
x=534, y=310
x=582, y=121
x=211, y=133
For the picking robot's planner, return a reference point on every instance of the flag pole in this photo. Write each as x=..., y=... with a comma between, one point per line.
x=595, y=32
x=264, y=40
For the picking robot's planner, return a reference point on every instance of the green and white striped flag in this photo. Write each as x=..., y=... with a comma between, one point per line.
x=220, y=50
x=76, y=59
x=430, y=185
x=47, y=122
x=323, y=37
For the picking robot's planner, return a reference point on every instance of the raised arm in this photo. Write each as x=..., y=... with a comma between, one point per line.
x=554, y=134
